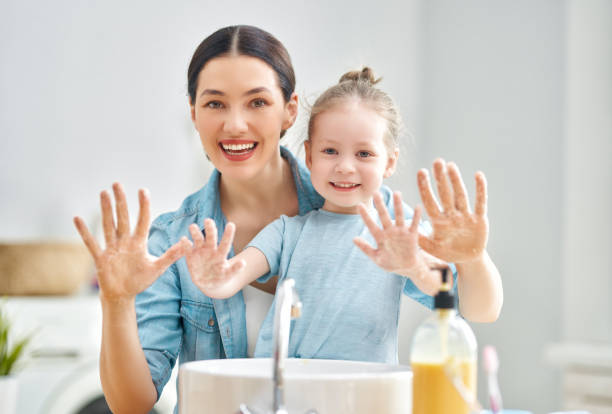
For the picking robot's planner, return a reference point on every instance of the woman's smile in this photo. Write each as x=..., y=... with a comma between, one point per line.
x=237, y=149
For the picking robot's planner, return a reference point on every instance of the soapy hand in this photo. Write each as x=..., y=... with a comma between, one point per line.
x=207, y=262
x=397, y=248
x=458, y=234
x=125, y=268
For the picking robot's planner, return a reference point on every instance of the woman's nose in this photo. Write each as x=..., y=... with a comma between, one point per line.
x=235, y=123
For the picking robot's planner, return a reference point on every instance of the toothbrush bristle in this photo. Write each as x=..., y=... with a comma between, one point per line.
x=489, y=356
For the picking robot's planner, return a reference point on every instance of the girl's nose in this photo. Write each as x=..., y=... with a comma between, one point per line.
x=344, y=165
x=235, y=123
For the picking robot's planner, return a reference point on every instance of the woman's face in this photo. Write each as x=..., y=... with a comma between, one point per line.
x=239, y=113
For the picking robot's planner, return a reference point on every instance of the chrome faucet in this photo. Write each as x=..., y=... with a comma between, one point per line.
x=288, y=306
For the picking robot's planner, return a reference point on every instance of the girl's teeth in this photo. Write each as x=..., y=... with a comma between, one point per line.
x=345, y=185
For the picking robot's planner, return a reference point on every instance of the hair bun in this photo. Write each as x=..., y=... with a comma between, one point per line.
x=364, y=75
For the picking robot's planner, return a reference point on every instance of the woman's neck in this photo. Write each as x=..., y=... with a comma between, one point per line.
x=262, y=190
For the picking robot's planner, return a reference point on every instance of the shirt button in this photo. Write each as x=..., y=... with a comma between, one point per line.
x=211, y=322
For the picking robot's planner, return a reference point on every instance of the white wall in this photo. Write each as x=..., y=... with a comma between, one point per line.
x=92, y=92
x=493, y=97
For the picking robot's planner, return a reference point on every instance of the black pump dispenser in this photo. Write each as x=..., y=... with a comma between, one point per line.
x=444, y=299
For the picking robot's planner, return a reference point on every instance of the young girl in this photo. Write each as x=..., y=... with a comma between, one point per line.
x=351, y=300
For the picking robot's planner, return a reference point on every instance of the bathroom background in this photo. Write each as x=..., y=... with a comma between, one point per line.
x=94, y=92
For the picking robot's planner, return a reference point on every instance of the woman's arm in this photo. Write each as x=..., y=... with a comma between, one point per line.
x=124, y=269
x=211, y=271
x=480, y=289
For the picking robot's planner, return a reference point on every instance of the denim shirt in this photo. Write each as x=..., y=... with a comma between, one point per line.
x=175, y=319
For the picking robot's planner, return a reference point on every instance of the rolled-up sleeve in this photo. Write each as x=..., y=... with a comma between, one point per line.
x=158, y=316
x=270, y=242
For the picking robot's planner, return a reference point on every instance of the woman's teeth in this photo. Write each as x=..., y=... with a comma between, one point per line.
x=238, y=148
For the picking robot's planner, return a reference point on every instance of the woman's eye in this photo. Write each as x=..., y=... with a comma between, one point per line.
x=329, y=151
x=214, y=105
x=258, y=103
x=364, y=154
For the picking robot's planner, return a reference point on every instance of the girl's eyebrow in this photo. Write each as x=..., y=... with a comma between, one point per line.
x=249, y=92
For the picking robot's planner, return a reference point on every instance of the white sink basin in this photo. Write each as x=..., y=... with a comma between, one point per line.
x=329, y=387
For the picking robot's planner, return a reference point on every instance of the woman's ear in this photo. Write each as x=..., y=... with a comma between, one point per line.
x=291, y=111
x=192, y=110
x=391, y=164
x=308, y=156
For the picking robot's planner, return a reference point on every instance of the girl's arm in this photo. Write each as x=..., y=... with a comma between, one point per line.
x=460, y=236
x=211, y=271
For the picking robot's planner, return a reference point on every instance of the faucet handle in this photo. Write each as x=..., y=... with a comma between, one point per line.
x=243, y=409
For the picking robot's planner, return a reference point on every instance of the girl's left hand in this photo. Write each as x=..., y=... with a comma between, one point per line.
x=397, y=248
x=458, y=234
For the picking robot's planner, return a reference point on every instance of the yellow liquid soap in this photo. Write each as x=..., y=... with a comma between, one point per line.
x=434, y=393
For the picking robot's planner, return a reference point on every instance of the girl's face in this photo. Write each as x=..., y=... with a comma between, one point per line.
x=347, y=156
x=239, y=113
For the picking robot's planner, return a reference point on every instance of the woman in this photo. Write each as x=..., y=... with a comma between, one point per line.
x=241, y=91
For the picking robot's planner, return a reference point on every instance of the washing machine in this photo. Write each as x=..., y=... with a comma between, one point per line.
x=61, y=374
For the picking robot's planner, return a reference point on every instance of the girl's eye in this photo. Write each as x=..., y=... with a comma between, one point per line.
x=258, y=103
x=364, y=154
x=329, y=151
x=214, y=105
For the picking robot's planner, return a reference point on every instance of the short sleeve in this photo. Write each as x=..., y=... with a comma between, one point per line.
x=270, y=242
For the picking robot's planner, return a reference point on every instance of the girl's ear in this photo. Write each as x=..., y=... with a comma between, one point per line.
x=308, y=157
x=291, y=111
x=391, y=164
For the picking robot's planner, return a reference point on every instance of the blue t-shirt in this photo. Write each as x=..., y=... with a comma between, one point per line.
x=350, y=306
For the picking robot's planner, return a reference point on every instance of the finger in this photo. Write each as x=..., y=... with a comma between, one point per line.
x=172, y=255
x=123, y=218
x=383, y=214
x=416, y=218
x=398, y=209
x=210, y=228
x=427, y=244
x=426, y=192
x=461, y=199
x=88, y=239
x=108, y=222
x=481, y=195
x=226, y=241
x=370, y=223
x=365, y=247
x=196, y=236
x=144, y=215
x=444, y=189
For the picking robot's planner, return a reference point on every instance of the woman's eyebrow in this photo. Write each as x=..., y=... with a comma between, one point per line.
x=257, y=90
x=211, y=92
x=249, y=92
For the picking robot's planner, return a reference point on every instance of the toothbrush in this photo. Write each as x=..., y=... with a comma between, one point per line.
x=491, y=365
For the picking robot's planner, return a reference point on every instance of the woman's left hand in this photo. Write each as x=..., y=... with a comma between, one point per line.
x=458, y=234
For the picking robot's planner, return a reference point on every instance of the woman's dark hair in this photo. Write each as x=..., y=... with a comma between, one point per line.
x=243, y=40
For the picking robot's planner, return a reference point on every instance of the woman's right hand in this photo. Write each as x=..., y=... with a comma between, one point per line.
x=125, y=268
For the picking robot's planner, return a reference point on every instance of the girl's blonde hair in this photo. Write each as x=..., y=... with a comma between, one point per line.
x=359, y=85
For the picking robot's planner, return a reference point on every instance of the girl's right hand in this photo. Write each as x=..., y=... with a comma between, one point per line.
x=125, y=268
x=208, y=265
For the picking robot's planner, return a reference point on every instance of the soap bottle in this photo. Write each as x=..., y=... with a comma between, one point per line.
x=444, y=359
